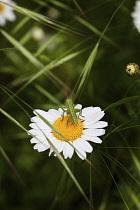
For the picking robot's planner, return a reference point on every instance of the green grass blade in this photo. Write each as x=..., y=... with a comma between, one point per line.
x=26, y=37
x=49, y=67
x=22, y=49
x=11, y=164
x=48, y=95
x=62, y=5
x=46, y=44
x=45, y=20
x=116, y=162
x=20, y=25
x=37, y=63
x=95, y=30
x=115, y=183
x=85, y=73
x=122, y=101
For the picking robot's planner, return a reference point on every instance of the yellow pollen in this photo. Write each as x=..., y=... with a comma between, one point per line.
x=1, y=8
x=69, y=130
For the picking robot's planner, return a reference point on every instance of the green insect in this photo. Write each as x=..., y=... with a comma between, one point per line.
x=71, y=111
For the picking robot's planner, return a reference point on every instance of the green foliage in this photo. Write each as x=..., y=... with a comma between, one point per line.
x=84, y=49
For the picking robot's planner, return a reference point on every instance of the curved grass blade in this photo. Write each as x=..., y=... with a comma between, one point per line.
x=87, y=24
x=46, y=44
x=22, y=23
x=48, y=95
x=38, y=64
x=22, y=49
x=134, y=196
x=122, y=101
x=134, y=157
x=116, y=162
x=45, y=20
x=34, y=60
x=115, y=183
x=85, y=73
x=62, y=5
x=49, y=67
x=11, y=165
x=96, y=31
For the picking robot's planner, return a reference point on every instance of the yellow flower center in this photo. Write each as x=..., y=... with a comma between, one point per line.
x=69, y=130
x=1, y=8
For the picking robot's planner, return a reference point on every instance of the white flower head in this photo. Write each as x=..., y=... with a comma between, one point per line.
x=89, y=128
x=6, y=12
x=38, y=33
x=136, y=15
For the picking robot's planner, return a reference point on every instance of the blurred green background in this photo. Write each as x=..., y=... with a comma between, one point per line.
x=42, y=182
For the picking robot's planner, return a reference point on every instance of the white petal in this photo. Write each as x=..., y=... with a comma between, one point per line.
x=78, y=106
x=85, y=145
x=65, y=150
x=71, y=151
x=68, y=150
x=56, y=143
x=94, y=118
x=99, y=124
x=46, y=144
x=61, y=111
x=40, y=147
x=79, y=151
x=10, y=16
x=34, y=140
x=51, y=150
x=94, y=132
x=92, y=138
x=60, y=146
x=136, y=15
x=44, y=114
x=39, y=122
x=48, y=135
x=36, y=119
x=41, y=135
x=88, y=111
x=2, y=21
x=56, y=114
x=10, y=2
x=34, y=132
x=40, y=126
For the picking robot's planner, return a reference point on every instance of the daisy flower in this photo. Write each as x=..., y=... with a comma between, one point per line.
x=6, y=12
x=89, y=128
x=136, y=15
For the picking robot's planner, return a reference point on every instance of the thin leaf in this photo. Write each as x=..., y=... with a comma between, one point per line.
x=48, y=95
x=95, y=30
x=115, y=183
x=122, y=101
x=11, y=164
x=85, y=73
x=22, y=49
x=45, y=20
x=49, y=67
x=116, y=162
